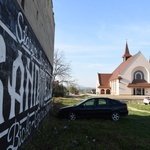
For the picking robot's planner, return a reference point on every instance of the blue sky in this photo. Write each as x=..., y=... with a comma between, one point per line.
x=93, y=34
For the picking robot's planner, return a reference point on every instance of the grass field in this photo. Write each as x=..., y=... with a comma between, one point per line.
x=140, y=106
x=130, y=133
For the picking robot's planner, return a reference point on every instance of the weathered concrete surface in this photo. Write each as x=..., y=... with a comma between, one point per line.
x=41, y=18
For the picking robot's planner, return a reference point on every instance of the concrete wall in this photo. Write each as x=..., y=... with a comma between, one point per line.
x=26, y=65
x=41, y=17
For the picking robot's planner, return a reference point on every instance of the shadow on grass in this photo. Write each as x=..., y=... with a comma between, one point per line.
x=131, y=132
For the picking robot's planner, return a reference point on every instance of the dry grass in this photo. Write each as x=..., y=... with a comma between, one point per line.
x=131, y=132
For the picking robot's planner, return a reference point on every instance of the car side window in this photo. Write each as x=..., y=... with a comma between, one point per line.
x=115, y=102
x=89, y=103
x=102, y=102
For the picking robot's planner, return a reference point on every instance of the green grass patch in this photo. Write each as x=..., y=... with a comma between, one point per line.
x=131, y=132
x=140, y=106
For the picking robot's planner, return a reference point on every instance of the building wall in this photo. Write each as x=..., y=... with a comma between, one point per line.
x=97, y=84
x=147, y=91
x=26, y=65
x=139, y=63
x=114, y=87
x=123, y=89
x=41, y=17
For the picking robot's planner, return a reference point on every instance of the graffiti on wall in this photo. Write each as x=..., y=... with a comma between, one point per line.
x=25, y=78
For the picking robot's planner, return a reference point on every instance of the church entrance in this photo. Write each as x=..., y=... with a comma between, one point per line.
x=139, y=91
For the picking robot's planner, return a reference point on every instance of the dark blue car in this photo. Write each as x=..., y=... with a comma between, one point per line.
x=98, y=107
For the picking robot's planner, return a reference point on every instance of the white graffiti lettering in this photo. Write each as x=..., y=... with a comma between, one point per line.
x=16, y=95
x=29, y=79
x=13, y=136
x=1, y=103
x=37, y=86
x=17, y=134
x=26, y=87
x=20, y=33
x=22, y=36
x=2, y=59
x=2, y=50
x=36, y=77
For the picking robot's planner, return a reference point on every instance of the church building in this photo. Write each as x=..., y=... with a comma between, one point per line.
x=131, y=77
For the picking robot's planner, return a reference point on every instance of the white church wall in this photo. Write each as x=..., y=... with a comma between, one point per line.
x=139, y=63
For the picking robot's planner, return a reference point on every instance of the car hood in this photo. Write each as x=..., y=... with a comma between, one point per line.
x=67, y=107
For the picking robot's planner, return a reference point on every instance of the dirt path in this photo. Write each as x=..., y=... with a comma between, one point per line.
x=135, y=109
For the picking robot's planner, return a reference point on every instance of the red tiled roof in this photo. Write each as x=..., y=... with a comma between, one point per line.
x=121, y=68
x=104, y=80
x=139, y=83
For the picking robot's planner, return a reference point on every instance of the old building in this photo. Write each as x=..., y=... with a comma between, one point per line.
x=131, y=77
x=26, y=63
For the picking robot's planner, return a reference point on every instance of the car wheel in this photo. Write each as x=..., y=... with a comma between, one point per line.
x=72, y=116
x=115, y=116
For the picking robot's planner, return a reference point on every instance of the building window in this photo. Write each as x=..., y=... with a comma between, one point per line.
x=138, y=75
x=108, y=91
x=102, y=91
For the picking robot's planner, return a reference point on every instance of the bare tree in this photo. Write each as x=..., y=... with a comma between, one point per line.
x=61, y=68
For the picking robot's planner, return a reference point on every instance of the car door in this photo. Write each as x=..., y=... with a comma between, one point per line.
x=103, y=107
x=88, y=108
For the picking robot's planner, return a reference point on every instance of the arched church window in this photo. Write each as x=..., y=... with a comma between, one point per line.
x=108, y=91
x=102, y=91
x=138, y=75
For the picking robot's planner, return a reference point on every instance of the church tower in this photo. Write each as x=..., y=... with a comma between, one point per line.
x=126, y=53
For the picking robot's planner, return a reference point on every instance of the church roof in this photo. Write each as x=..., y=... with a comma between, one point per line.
x=139, y=83
x=121, y=68
x=104, y=80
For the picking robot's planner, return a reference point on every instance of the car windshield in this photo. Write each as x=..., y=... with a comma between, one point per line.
x=81, y=102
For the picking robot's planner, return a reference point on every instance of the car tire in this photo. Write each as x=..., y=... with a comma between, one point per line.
x=72, y=116
x=115, y=116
